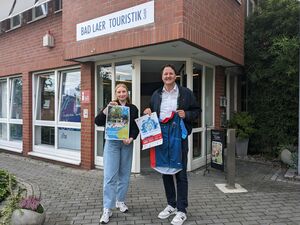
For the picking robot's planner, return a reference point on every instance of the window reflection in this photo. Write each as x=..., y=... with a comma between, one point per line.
x=44, y=135
x=16, y=132
x=104, y=85
x=197, y=145
x=46, y=97
x=16, y=98
x=3, y=131
x=70, y=97
x=124, y=75
x=209, y=96
x=3, y=99
x=197, y=89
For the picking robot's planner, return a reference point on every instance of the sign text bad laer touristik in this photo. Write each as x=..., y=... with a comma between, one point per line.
x=122, y=20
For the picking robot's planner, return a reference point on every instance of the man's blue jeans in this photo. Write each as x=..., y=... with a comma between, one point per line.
x=181, y=201
x=117, y=169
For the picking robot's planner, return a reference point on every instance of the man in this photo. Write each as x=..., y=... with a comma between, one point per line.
x=174, y=98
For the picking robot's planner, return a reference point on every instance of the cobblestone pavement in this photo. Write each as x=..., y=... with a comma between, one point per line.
x=74, y=196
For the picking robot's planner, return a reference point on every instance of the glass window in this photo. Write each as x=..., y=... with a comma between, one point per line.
x=104, y=76
x=69, y=138
x=70, y=97
x=57, y=5
x=44, y=135
x=3, y=98
x=3, y=131
x=11, y=107
x=197, y=144
x=16, y=98
x=62, y=89
x=45, y=97
x=15, y=21
x=16, y=132
x=40, y=11
x=100, y=143
x=209, y=96
x=124, y=75
x=197, y=89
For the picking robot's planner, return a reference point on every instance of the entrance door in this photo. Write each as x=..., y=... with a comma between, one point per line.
x=150, y=81
x=108, y=76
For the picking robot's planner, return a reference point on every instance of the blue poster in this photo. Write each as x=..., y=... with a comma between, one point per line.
x=69, y=110
x=117, y=123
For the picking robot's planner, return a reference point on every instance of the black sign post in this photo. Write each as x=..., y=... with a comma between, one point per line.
x=217, y=149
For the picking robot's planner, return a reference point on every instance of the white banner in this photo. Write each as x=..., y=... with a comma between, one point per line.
x=122, y=20
x=149, y=127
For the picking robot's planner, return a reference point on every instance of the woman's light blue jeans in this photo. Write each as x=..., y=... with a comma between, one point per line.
x=117, y=169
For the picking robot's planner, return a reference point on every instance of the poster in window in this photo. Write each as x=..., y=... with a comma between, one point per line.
x=70, y=109
x=150, y=131
x=117, y=123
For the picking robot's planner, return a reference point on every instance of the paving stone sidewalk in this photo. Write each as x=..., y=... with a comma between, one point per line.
x=73, y=196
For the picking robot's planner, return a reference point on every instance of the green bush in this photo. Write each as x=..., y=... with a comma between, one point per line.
x=243, y=122
x=272, y=68
x=4, y=184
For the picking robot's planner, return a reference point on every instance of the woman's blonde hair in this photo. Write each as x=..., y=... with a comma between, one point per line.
x=124, y=86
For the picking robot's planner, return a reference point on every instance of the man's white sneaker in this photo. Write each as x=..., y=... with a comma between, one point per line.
x=122, y=206
x=105, y=216
x=168, y=211
x=179, y=218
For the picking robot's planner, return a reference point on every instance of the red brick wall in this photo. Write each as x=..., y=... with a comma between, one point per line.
x=168, y=26
x=219, y=91
x=22, y=49
x=87, y=124
x=217, y=26
x=213, y=25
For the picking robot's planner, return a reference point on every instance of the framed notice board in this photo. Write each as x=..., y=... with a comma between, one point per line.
x=217, y=149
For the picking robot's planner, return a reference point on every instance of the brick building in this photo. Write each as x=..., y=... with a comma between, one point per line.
x=60, y=61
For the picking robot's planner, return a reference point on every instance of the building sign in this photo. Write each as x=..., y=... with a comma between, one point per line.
x=122, y=20
x=86, y=96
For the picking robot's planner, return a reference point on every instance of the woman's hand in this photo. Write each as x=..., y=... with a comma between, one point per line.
x=105, y=111
x=147, y=111
x=127, y=141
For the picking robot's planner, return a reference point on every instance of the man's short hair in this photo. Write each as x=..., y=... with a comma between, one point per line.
x=168, y=65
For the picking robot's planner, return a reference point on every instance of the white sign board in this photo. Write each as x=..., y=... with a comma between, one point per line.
x=150, y=130
x=122, y=20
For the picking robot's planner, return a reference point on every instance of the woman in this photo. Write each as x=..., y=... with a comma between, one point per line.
x=117, y=158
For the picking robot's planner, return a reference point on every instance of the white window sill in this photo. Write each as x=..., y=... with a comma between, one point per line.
x=69, y=157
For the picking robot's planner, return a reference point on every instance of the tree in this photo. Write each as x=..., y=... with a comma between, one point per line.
x=271, y=65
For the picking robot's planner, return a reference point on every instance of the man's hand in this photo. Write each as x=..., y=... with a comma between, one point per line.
x=181, y=113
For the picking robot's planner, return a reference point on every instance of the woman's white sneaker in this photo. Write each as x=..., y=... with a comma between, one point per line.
x=122, y=206
x=179, y=218
x=168, y=211
x=107, y=213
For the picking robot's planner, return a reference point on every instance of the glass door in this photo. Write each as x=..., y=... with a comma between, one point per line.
x=150, y=81
x=108, y=75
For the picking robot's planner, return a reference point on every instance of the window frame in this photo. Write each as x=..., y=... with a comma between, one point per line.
x=33, y=12
x=9, y=144
x=11, y=22
x=53, y=152
x=60, y=4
